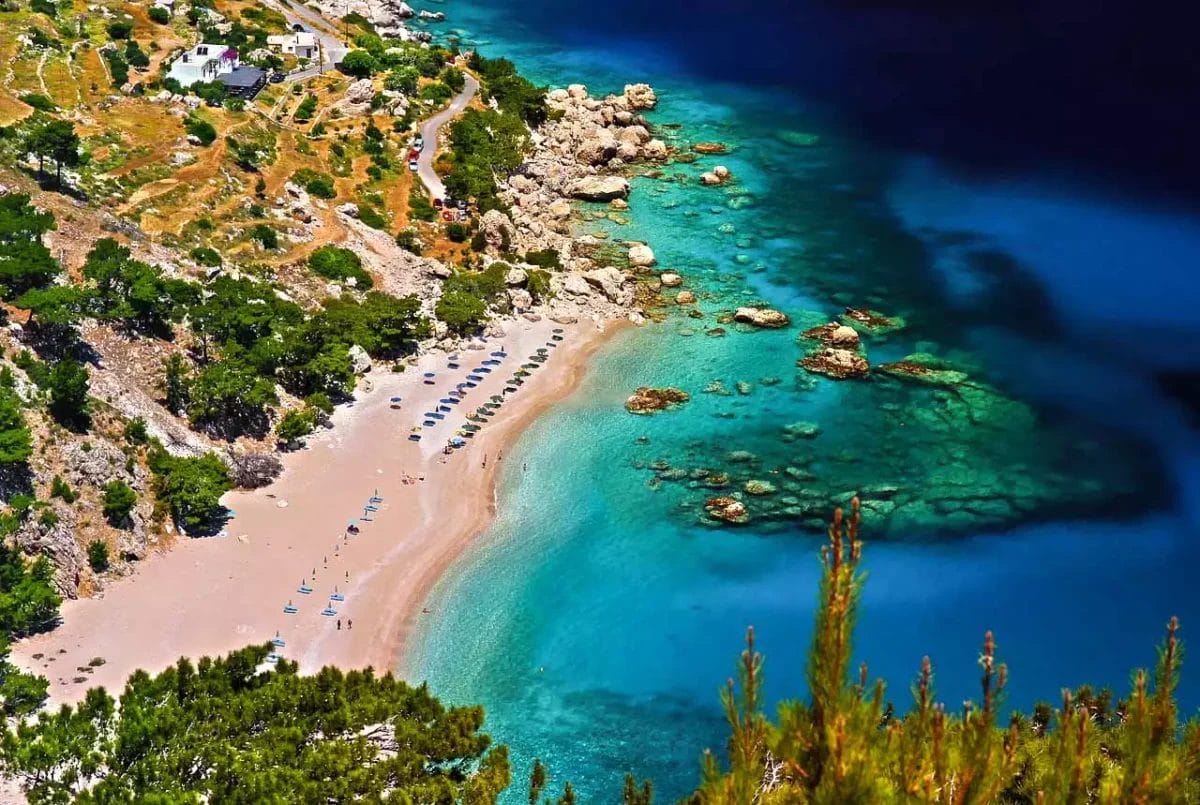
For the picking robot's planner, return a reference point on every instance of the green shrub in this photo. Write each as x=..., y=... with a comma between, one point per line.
x=296, y=424
x=135, y=56
x=316, y=183
x=453, y=78
x=38, y=101
x=306, y=109
x=320, y=401
x=16, y=440
x=372, y=217
x=119, y=29
x=457, y=232
x=119, y=500
x=69, y=394
x=62, y=490
x=538, y=285
x=409, y=240
x=437, y=92
x=190, y=487
x=200, y=128
x=135, y=431
x=37, y=371
x=359, y=63
x=266, y=236
x=338, y=264
x=461, y=311
x=545, y=258
x=421, y=208
x=47, y=7
x=118, y=67
x=159, y=14
x=98, y=556
x=205, y=256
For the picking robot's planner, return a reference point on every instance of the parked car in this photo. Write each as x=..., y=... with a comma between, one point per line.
x=298, y=28
x=437, y=203
x=461, y=204
x=412, y=165
x=277, y=77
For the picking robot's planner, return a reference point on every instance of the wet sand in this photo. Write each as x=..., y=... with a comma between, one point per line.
x=210, y=595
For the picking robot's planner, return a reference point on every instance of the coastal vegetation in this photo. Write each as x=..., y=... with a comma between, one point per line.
x=333, y=736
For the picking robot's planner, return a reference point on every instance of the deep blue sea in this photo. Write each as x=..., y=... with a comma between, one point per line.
x=1024, y=206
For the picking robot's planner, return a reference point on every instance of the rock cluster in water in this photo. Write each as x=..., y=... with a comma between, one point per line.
x=647, y=400
x=946, y=452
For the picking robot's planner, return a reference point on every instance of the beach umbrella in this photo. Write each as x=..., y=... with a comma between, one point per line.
x=496, y=398
x=452, y=364
x=557, y=330
x=522, y=372
x=520, y=381
x=556, y=338
x=453, y=356
x=471, y=385
x=443, y=408
x=511, y=389
x=498, y=353
x=395, y=399
x=476, y=378
x=429, y=423
x=414, y=437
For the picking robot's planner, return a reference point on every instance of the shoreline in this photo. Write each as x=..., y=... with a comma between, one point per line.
x=207, y=596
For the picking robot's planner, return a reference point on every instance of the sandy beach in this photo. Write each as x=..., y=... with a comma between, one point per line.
x=207, y=596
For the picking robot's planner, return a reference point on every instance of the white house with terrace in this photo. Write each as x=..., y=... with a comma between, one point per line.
x=203, y=63
x=301, y=44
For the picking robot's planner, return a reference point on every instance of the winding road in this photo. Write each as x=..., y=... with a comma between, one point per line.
x=429, y=133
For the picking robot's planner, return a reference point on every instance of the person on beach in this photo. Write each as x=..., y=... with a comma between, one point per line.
x=339, y=624
x=349, y=624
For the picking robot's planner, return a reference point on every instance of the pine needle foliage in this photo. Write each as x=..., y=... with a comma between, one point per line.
x=846, y=743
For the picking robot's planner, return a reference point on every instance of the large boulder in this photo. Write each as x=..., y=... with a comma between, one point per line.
x=641, y=255
x=611, y=282
x=761, y=317
x=360, y=92
x=520, y=299
x=577, y=91
x=669, y=279
x=515, y=277
x=599, y=188
x=840, y=364
x=360, y=361
x=497, y=229
x=640, y=96
x=655, y=149
x=575, y=285
x=638, y=135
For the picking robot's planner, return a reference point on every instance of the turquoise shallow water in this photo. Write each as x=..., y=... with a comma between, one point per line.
x=598, y=617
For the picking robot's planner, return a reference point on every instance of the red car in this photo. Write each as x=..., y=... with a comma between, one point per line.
x=437, y=203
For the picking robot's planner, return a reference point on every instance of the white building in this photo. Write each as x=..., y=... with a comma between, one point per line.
x=203, y=63
x=302, y=44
